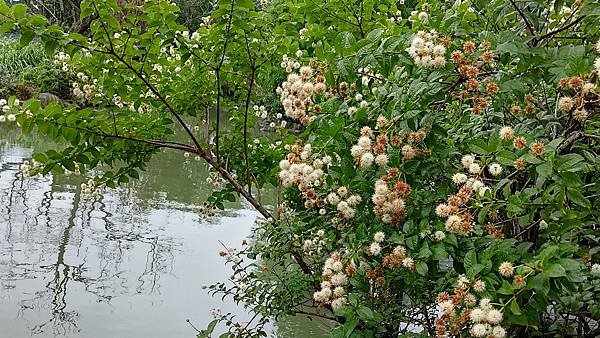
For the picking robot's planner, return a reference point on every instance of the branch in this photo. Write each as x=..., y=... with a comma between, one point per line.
x=522, y=15
x=558, y=30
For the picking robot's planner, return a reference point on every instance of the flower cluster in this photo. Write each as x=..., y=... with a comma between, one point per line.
x=84, y=89
x=344, y=203
x=215, y=180
x=398, y=258
x=290, y=64
x=460, y=311
x=90, y=188
x=458, y=218
x=582, y=94
x=62, y=60
x=304, y=171
x=470, y=61
x=5, y=109
x=363, y=150
x=428, y=50
x=389, y=197
x=28, y=168
x=369, y=76
x=335, y=278
x=315, y=245
x=297, y=93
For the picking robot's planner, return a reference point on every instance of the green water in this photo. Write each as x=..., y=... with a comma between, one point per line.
x=128, y=264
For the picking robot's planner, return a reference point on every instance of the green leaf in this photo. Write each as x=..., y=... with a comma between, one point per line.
x=19, y=11
x=514, y=308
x=470, y=259
x=422, y=268
x=569, y=264
x=576, y=196
x=365, y=313
x=555, y=270
x=506, y=288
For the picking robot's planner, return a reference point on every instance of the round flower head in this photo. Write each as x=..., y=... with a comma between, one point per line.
x=477, y=315
x=379, y=237
x=506, y=269
x=366, y=160
x=595, y=269
x=439, y=235
x=374, y=249
x=474, y=168
x=498, y=332
x=338, y=303
x=479, y=330
x=479, y=286
x=467, y=160
x=447, y=307
x=494, y=316
x=495, y=169
x=459, y=178
x=507, y=133
x=566, y=103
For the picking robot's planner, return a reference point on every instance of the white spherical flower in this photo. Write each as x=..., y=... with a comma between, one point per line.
x=284, y=164
x=494, y=316
x=477, y=315
x=423, y=17
x=474, y=168
x=364, y=142
x=479, y=286
x=442, y=210
x=338, y=303
x=498, y=332
x=408, y=263
x=339, y=279
x=439, y=235
x=485, y=304
x=479, y=330
x=375, y=249
x=507, y=133
x=495, y=169
x=366, y=160
x=595, y=269
x=337, y=266
x=447, y=307
x=357, y=151
x=439, y=50
x=459, y=178
x=379, y=237
x=11, y=118
x=467, y=160
x=381, y=159
x=339, y=292
x=333, y=199
x=597, y=65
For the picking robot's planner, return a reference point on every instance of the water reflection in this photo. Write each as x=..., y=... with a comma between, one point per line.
x=130, y=263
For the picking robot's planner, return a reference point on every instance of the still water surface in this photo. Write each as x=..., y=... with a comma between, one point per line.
x=128, y=264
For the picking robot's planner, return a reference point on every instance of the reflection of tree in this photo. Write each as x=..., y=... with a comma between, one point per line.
x=84, y=253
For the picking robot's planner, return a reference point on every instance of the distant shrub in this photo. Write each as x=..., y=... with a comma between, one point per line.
x=47, y=78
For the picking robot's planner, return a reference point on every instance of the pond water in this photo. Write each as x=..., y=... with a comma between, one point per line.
x=130, y=263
